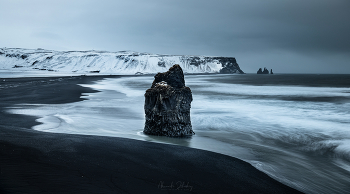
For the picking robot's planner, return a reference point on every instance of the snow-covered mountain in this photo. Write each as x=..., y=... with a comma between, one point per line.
x=123, y=62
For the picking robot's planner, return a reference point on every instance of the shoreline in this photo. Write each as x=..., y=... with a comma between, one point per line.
x=33, y=161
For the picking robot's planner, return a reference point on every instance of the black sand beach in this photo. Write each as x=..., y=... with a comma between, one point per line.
x=38, y=162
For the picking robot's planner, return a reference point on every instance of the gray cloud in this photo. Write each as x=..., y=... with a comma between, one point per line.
x=245, y=29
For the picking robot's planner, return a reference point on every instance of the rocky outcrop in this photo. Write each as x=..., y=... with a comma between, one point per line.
x=229, y=65
x=259, y=71
x=167, y=105
x=263, y=72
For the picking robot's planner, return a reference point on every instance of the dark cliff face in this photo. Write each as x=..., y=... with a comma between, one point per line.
x=229, y=65
x=167, y=105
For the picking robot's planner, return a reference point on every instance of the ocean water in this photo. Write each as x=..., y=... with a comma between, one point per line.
x=295, y=128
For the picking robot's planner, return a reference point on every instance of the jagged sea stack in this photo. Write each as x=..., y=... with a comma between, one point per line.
x=168, y=104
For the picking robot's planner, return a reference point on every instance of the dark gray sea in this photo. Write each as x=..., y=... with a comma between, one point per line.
x=294, y=127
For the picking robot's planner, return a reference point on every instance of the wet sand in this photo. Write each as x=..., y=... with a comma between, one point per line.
x=38, y=162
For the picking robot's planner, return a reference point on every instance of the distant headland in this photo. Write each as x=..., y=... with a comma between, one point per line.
x=103, y=62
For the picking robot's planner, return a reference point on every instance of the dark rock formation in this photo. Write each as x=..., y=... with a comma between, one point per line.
x=229, y=65
x=263, y=72
x=271, y=72
x=34, y=63
x=168, y=104
x=161, y=63
x=196, y=61
x=13, y=55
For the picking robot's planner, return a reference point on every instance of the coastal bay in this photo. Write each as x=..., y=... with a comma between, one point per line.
x=33, y=161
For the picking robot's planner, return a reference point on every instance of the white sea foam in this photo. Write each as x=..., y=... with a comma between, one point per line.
x=271, y=133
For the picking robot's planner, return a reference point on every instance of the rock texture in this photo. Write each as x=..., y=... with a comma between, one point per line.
x=229, y=65
x=263, y=72
x=168, y=104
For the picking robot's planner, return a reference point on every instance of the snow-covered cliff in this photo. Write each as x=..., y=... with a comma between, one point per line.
x=123, y=62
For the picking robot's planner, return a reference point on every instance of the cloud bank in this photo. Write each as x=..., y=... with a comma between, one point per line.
x=290, y=36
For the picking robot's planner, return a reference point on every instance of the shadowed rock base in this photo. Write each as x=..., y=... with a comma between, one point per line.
x=168, y=104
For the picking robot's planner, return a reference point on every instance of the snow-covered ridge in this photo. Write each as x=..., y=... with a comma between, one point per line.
x=122, y=62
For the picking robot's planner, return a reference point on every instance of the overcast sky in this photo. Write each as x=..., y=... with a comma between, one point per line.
x=289, y=36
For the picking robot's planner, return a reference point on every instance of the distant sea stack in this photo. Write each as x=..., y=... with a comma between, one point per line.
x=167, y=105
x=260, y=71
x=104, y=62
